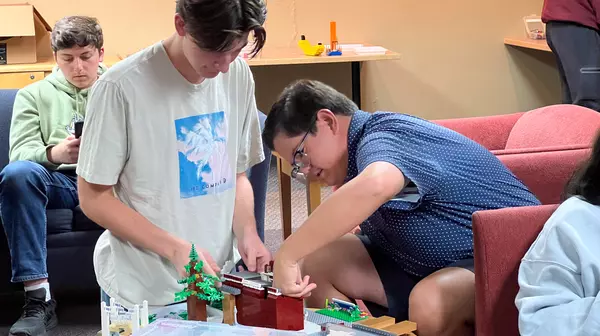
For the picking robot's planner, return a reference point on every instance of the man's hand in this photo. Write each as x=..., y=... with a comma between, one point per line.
x=287, y=278
x=254, y=253
x=66, y=152
x=181, y=257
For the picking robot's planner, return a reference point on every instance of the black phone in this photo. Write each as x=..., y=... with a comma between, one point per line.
x=78, y=129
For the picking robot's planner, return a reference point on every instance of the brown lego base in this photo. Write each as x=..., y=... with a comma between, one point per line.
x=228, y=309
x=386, y=323
x=196, y=309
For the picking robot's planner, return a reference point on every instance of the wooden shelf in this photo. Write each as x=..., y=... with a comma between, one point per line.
x=524, y=42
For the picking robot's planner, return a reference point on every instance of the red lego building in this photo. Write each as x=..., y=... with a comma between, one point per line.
x=260, y=305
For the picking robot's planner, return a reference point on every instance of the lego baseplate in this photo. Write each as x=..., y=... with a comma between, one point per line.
x=169, y=327
x=320, y=319
x=340, y=315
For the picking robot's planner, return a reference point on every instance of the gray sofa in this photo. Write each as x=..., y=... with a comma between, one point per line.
x=71, y=235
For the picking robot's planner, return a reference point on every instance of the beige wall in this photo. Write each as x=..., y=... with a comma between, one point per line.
x=453, y=60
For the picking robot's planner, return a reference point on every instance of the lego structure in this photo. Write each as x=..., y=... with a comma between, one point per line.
x=342, y=310
x=200, y=288
x=117, y=321
x=260, y=305
x=385, y=326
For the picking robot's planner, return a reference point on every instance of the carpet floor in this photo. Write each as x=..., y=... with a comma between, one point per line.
x=81, y=317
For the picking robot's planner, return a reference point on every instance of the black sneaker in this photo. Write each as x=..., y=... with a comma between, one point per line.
x=38, y=315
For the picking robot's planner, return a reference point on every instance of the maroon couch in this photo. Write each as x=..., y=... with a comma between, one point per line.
x=541, y=147
x=501, y=239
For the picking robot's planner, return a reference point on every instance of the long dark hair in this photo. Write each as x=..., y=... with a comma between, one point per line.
x=585, y=182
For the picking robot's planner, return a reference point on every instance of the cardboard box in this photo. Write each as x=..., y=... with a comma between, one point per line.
x=24, y=35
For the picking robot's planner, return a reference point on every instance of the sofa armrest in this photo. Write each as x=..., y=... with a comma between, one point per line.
x=545, y=173
x=490, y=131
x=540, y=149
x=501, y=239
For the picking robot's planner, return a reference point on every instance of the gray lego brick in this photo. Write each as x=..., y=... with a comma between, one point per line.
x=230, y=290
x=321, y=319
x=373, y=331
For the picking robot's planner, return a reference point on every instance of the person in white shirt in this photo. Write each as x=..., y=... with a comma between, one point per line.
x=559, y=276
x=168, y=135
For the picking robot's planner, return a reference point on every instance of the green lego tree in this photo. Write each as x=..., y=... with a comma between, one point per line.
x=200, y=287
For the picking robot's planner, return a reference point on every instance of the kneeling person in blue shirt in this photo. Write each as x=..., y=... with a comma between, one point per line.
x=410, y=184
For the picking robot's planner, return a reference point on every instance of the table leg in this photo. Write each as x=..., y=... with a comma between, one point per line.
x=356, y=83
x=285, y=193
x=313, y=196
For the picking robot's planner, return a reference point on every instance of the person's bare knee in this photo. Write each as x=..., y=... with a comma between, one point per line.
x=332, y=267
x=444, y=303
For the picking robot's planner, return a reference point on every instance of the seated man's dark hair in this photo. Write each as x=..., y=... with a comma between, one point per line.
x=77, y=31
x=294, y=111
x=215, y=25
x=585, y=182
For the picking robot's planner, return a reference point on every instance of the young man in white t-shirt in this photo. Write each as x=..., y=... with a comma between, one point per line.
x=171, y=130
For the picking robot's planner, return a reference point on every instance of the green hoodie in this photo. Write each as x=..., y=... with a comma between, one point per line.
x=44, y=114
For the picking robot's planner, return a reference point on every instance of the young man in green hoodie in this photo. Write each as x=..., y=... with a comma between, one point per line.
x=43, y=151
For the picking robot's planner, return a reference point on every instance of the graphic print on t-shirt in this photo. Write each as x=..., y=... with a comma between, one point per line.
x=204, y=166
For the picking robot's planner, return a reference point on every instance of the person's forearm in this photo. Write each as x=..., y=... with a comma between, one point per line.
x=127, y=224
x=244, y=221
x=345, y=209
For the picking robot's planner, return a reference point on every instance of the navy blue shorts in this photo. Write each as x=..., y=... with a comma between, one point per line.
x=397, y=283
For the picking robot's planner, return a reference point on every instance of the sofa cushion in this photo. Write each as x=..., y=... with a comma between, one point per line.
x=59, y=220
x=491, y=132
x=82, y=223
x=555, y=125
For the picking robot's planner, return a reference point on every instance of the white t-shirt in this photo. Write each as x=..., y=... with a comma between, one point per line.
x=171, y=149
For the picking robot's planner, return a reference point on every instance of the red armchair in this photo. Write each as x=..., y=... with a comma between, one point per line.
x=541, y=147
x=501, y=239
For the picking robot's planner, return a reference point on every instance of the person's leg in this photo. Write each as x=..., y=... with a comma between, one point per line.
x=259, y=179
x=566, y=91
x=26, y=190
x=343, y=270
x=444, y=302
x=577, y=50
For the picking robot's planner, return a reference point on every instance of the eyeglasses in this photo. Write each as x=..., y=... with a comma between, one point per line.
x=301, y=159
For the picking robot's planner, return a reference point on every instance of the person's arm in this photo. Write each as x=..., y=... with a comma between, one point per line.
x=552, y=299
x=103, y=153
x=346, y=208
x=243, y=216
x=386, y=163
x=250, y=153
x=124, y=222
x=25, y=140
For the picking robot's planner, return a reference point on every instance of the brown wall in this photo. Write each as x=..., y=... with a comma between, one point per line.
x=453, y=60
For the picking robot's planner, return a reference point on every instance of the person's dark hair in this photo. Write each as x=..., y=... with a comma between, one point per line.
x=585, y=182
x=76, y=31
x=295, y=110
x=215, y=25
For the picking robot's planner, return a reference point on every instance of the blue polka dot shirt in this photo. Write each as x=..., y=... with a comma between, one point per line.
x=428, y=225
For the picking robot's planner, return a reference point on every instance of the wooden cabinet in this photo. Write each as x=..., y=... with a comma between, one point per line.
x=17, y=80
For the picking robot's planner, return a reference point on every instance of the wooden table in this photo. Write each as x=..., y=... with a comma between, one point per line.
x=289, y=56
x=528, y=43
x=18, y=75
